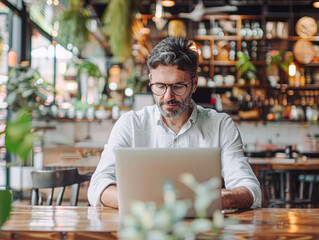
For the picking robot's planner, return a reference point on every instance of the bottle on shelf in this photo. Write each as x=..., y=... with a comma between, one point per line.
x=206, y=51
x=232, y=51
x=308, y=77
x=215, y=29
x=244, y=48
x=302, y=78
x=201, y=29
x=257, y=32
x=254, y=49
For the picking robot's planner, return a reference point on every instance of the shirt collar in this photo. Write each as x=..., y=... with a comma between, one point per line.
x=192, y=119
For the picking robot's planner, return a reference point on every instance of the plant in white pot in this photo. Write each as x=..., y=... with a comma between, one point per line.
x=26, y=91
x=88, y=70
x=19, y=141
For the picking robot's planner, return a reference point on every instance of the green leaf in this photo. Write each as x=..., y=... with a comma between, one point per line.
x=27, y=93
x=18, y=138
x=5, y=205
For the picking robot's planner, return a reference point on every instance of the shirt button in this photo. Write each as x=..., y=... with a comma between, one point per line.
x=175, y=140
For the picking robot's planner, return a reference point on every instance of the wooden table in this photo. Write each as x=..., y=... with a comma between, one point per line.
x=286, y=164
x=41, y=222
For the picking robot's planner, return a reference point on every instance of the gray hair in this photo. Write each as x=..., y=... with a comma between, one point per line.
x=175, y=51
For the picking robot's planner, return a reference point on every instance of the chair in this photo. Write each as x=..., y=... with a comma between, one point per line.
x=57, y=178
x=289, y=188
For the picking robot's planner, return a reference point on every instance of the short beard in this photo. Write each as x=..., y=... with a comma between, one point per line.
x=182, y=107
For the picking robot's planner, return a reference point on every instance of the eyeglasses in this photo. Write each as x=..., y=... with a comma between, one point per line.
x=160, y=89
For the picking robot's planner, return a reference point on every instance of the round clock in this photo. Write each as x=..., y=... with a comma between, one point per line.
x=306, y=27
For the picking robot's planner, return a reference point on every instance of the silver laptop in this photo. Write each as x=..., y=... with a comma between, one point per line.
x=142, y=172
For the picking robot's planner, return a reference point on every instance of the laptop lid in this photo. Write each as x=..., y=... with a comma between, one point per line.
x=142, y=172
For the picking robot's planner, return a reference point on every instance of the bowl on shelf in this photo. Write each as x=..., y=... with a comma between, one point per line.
x=102, y=114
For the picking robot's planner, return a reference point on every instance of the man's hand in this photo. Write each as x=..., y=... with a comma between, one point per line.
x=109, y=197
x=239, y=197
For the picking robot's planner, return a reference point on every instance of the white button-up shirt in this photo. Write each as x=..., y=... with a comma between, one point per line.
x=205, y=128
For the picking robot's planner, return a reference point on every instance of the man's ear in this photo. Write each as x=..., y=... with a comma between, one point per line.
x=195, y=81
x=149, y=77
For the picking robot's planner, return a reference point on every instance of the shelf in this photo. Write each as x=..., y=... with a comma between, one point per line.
x=216, y=38
x=241, y=86
x=223, y=63
x=228, y=63
x=294, y=38
x=306, y=87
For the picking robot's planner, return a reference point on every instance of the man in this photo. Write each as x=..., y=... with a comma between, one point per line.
x=176, y=121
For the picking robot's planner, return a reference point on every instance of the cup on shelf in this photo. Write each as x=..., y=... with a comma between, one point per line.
x=201, y=81
x=273, y=80
x=229, y=80
x=219, y=80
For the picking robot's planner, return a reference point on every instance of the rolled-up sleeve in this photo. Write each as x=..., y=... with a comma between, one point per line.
x=236, y=170
x=105, y=173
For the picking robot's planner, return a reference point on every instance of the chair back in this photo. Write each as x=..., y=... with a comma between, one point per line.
x=288, y=188
x=56, y=179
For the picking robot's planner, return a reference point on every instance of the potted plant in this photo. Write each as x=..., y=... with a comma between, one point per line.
x=19, y=141
x=277, y=60
x=88, y=69
x=81, y=109
x=26, y=91
x=246, y=68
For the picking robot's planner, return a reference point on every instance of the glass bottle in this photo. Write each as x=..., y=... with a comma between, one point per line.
x=302, y=79
x=232, y=51
x=201, y=29
x=206, y=51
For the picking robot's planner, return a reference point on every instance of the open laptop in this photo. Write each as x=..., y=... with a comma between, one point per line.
x=142, y=172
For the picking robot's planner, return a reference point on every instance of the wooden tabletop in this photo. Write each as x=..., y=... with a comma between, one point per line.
x=41, y=222
x=287, y=164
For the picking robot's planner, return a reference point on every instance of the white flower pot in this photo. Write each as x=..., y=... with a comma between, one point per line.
x=20, y=177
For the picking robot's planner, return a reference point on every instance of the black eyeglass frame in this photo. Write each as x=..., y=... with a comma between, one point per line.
x=171, y=86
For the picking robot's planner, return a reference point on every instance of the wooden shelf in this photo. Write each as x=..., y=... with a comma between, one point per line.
x=215, y=38
x=306, y=87
x=228, y=63
x=223, y=63
x=294, y=38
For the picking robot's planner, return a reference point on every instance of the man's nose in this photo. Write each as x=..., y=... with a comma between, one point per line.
x=169, y=93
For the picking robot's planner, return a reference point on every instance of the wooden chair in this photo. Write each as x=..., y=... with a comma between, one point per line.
x=57, y=179
x=286, y=188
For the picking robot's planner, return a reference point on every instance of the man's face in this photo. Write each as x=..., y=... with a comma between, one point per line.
x=170, y=104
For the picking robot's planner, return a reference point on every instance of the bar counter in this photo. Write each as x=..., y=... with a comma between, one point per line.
x=60, y=222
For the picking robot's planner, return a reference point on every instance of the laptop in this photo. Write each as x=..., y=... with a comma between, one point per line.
x=142, y=172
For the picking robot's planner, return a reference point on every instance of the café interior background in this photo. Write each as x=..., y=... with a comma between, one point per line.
x=273, y=95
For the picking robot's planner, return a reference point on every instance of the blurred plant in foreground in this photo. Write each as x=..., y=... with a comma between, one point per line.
x=168, y=222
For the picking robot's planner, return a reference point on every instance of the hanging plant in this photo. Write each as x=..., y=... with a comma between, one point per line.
x=118, y=20
x=73, y=26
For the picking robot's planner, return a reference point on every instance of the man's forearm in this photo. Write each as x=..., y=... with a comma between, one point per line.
x=109, y=197
x=239, y=197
